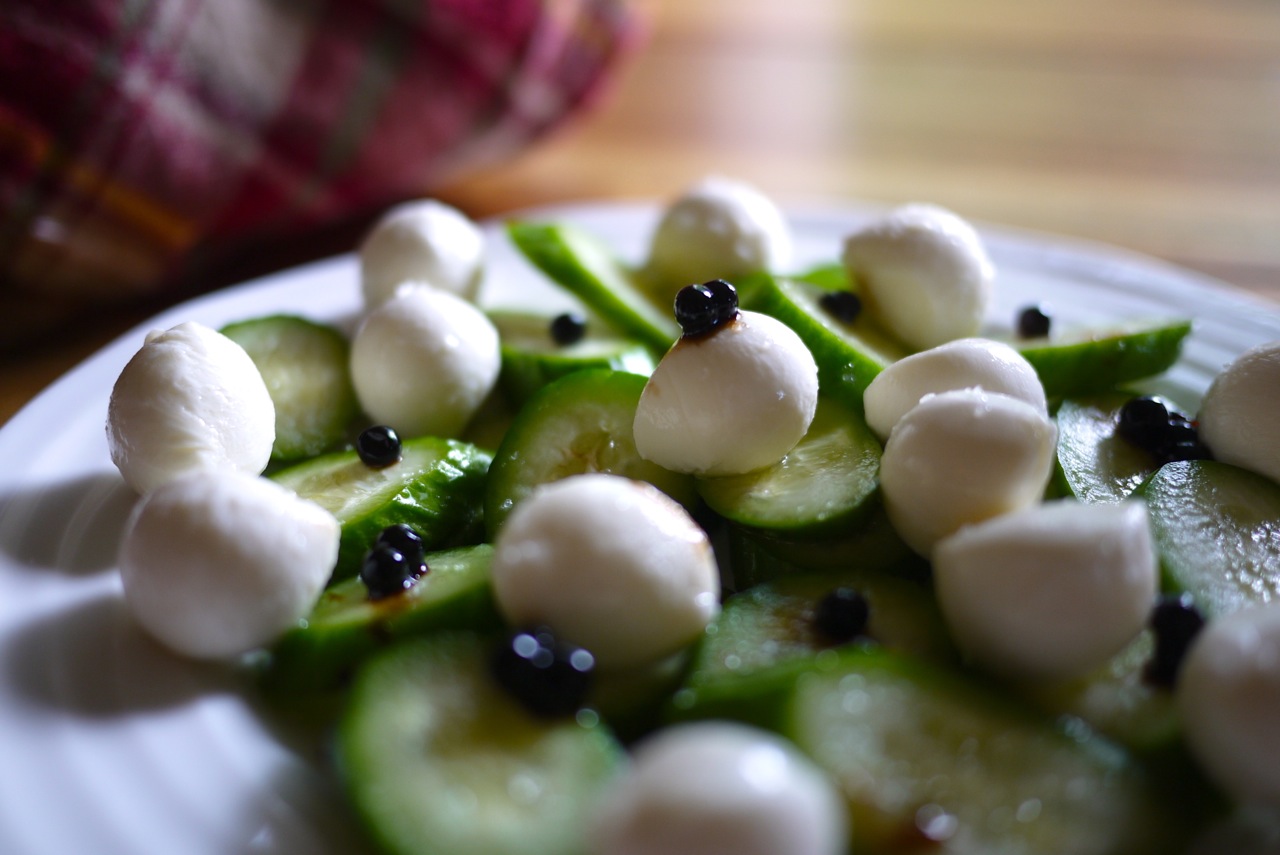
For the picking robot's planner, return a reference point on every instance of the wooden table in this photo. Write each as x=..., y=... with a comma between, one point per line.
x=1152, y=124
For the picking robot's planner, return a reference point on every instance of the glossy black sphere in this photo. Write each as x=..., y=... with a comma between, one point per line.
x=702, y=308
x=378, y=446
x=550, y=678
x=841, y=615
x=844, y=306
x=386, y=571
x=1176, y=621
x=568, y=328
x=1033, y=323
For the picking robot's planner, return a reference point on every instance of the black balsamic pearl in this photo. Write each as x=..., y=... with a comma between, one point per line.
x=1176, y=621
x=386, y=571
x=844, y=306
x=549, y=677
x=1163, y=433
x=841, y=615
x=403, y=539
x=702, y=308
x=568, y=328
x=1033, y=323
x=378, y=446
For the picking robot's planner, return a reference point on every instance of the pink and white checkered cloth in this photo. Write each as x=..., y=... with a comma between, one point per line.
x=141, y=138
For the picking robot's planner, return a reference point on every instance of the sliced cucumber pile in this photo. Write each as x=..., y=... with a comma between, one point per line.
x=304, y=365
x=438, y=759
x=437, y=488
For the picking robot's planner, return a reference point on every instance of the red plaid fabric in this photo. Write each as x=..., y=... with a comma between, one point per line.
x=138, y=138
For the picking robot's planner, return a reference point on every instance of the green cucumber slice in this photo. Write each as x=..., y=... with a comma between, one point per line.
x=346, y=627
x=827, y=484
x=437, y=759
x=1116, y=701
x=849, y=356
x=586, y=267
x=929, y=761
x=531, y=358
x=1091, y=360
x=577, y=424
x=437, y=488
x=1095, y=464
x=1217, y=530
x=305, y=367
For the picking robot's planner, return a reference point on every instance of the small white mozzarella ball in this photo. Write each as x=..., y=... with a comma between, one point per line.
x=1051, y=591
x=717, y=229
x=610, y=564
x=1240, y=415
x=734, y=400
x=715, y=788
x=962, y=364
x=423, y=241
x=216, y=564
x=189, y=399
x=962, y=457
x=923, y=272
x=424, y=361
x=1228, y=692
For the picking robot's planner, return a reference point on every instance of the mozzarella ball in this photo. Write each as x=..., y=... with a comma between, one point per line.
x=424, y=241
x=1052, y=591
x=962, y=457
x=1240, y=415
x=1228, y=692
x=923, y=273
x=966, y=363
x=189, y=399
x=216, y=564
x=424, y=361
x=717, y=229
x=609, y=564
x=733, y=400
x=716, y=788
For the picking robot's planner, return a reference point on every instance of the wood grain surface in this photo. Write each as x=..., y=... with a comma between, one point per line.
x=1150, y=124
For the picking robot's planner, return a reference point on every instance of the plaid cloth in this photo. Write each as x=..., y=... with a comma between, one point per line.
x=140, y=138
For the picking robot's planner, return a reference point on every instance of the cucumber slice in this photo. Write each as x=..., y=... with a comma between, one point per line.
x=825, y=485
x=849, y=356
x=1116, y=701
x=577, y=424
x=1095, y=464
x=768, y=624
x=531, y=358
x=586, y=267
x=874, y=546
x=1089, y=361
x=306, y=370
x=1217, y=530
x=437, y=759
x=929, y=761
x=346, y=627
x=437, y=488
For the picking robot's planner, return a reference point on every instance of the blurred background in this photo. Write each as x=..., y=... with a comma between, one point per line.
x=1149, y=124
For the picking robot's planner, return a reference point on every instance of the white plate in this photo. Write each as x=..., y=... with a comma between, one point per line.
x=110, y=745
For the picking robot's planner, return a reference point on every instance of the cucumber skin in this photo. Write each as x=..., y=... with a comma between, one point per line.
x=562, y=252
x=445, y=504
x=324, y=650
x=1102, y=362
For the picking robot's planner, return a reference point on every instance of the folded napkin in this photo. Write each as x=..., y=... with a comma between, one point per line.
x=141, y=140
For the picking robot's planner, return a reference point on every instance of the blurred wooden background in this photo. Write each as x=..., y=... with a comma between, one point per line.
x=1151, y=124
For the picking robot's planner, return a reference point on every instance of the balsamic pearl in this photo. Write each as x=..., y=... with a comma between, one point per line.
x=548, y=677
x=1175, y=620
x=1033, y=323
x=378, y=446
x=568, y=328
x=844, y=306
x=403, y=539
x=1165, y=434
x=386, y=571
x=702, y=308
x=841, y=615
